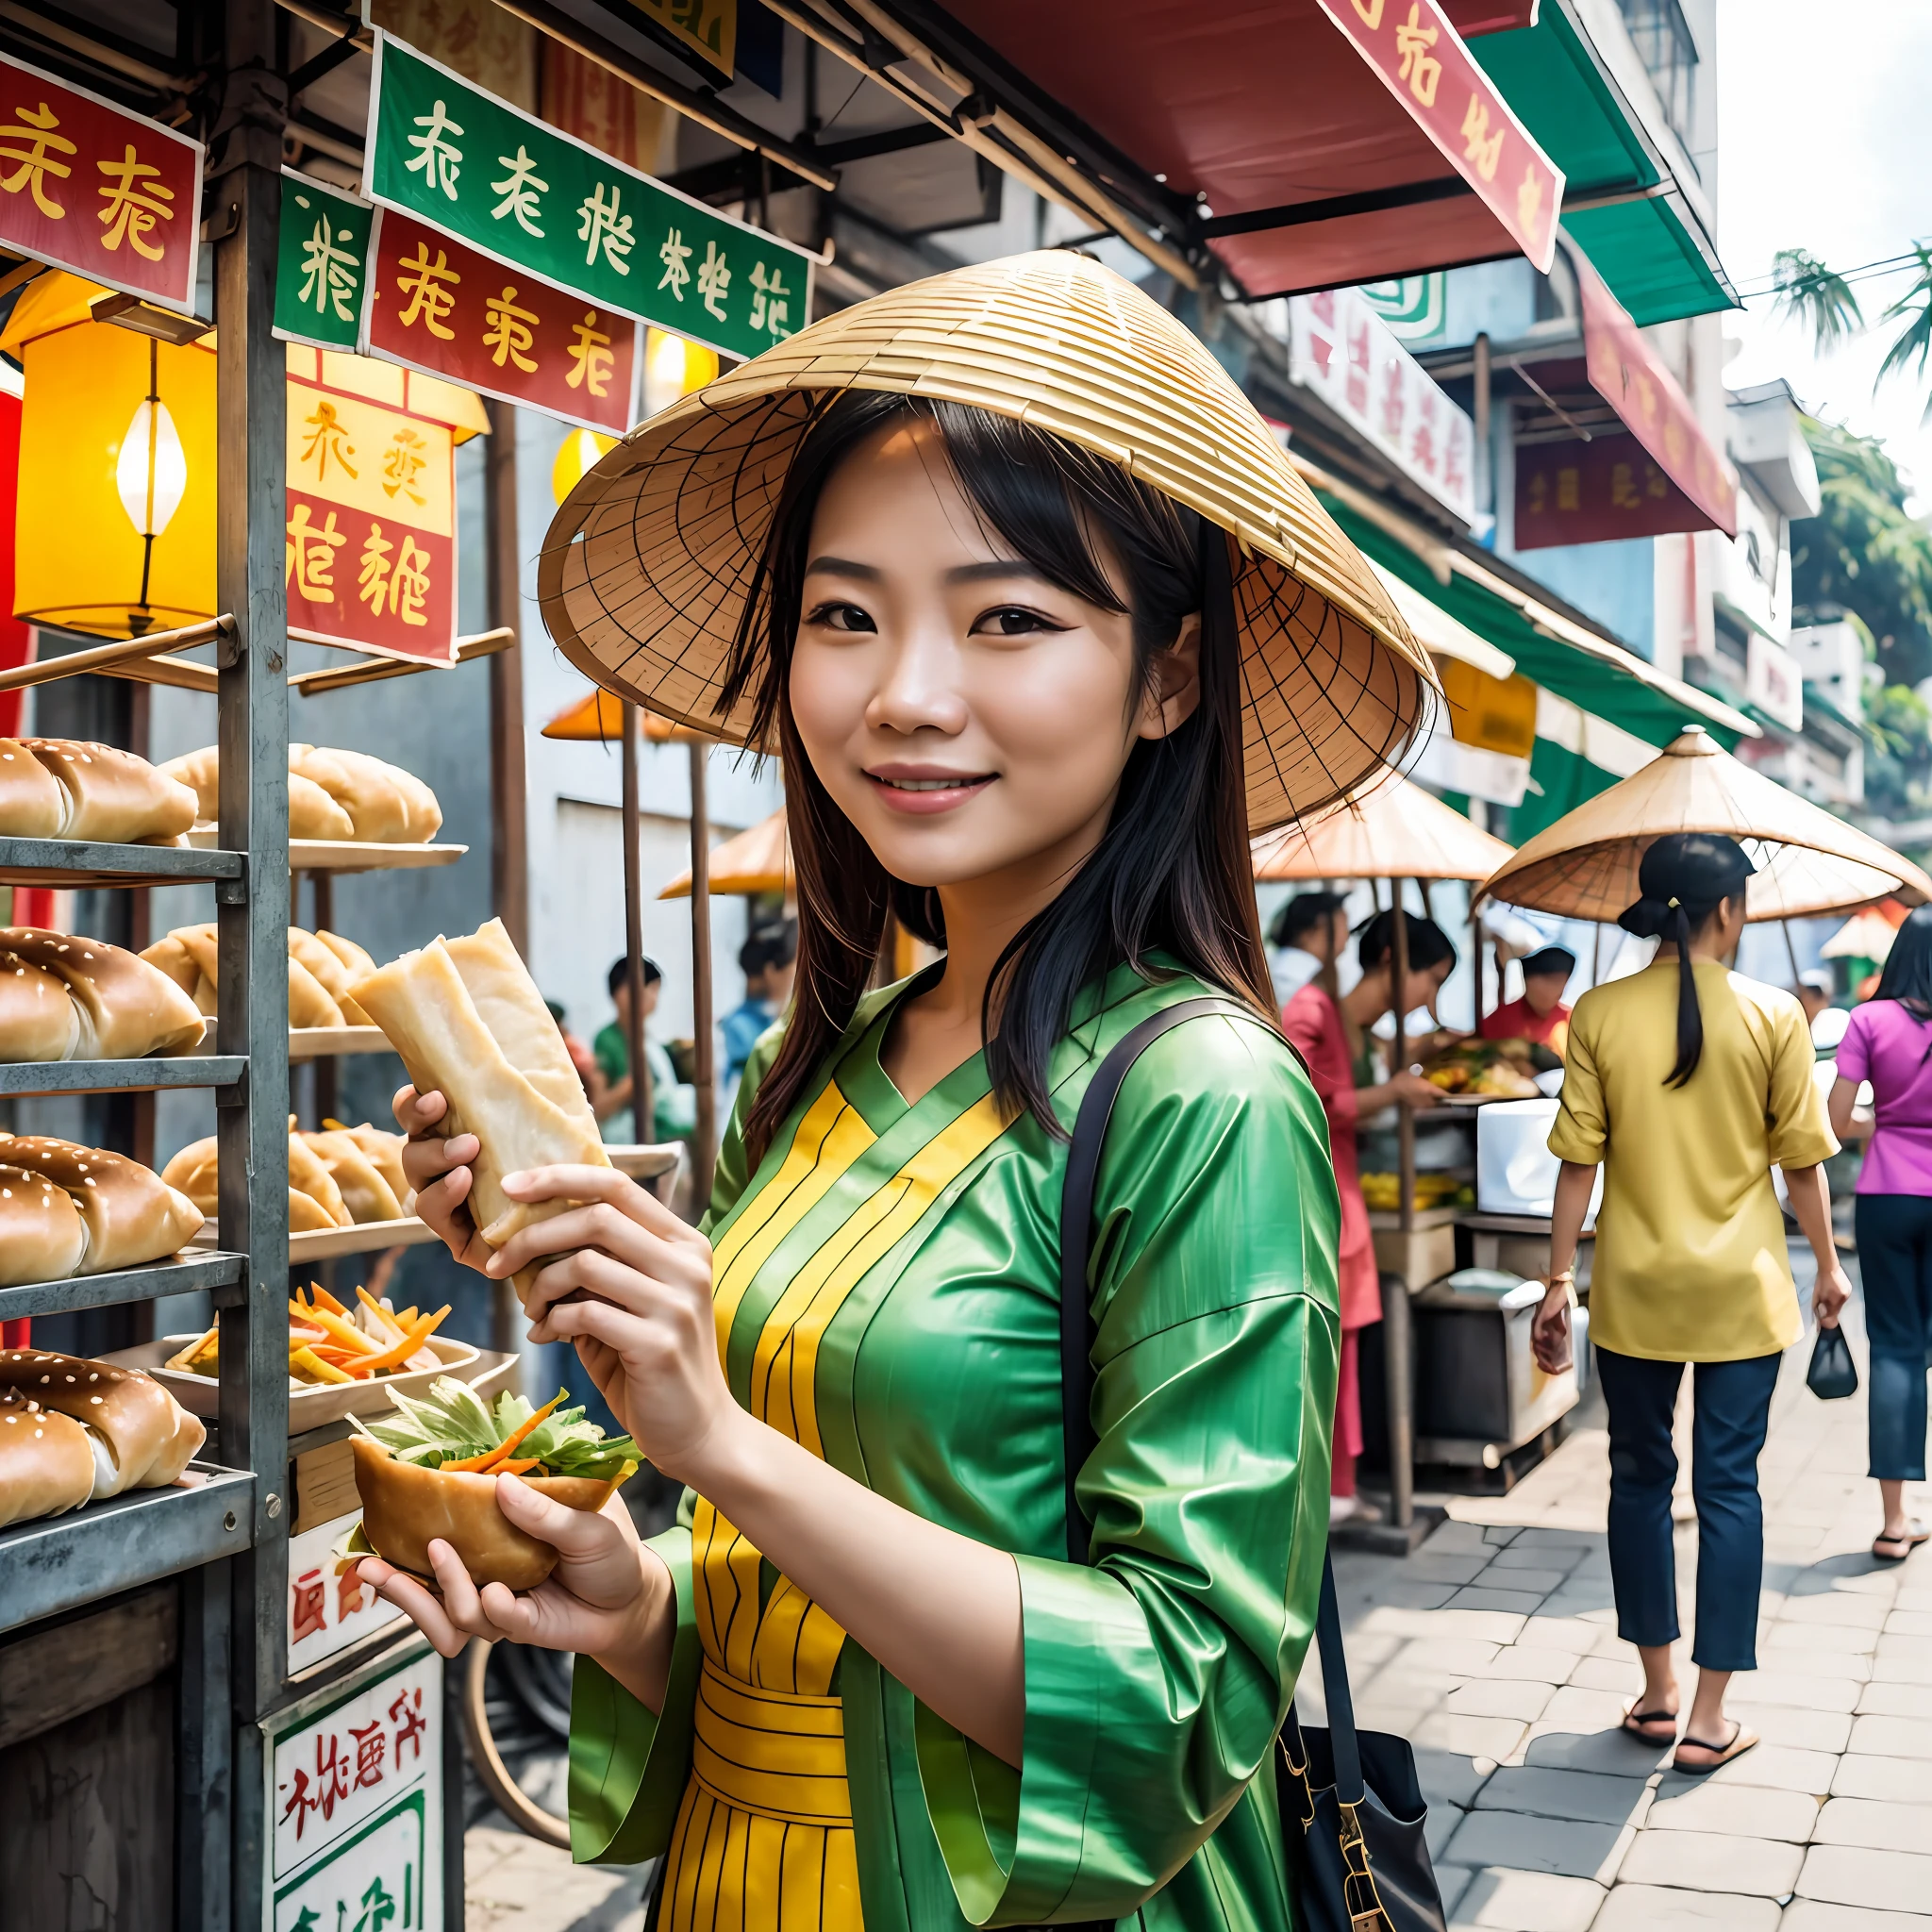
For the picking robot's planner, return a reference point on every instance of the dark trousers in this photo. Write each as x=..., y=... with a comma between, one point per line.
x=1732, y=1407
x=1895, y=1268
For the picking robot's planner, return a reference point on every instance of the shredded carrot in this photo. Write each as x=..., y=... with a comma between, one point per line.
x=318, y=1294
x=490, y=1456
x=516, y=1467
x=386, y=1322
x=182, y=1357
x=407, y=1315
x=342, y=1331
x=313, y=1364
x=399, y=1352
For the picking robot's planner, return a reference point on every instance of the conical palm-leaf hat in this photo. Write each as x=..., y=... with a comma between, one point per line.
x=1395, y=831
x=648, y=564
x=757, y=860
x=1808, y=861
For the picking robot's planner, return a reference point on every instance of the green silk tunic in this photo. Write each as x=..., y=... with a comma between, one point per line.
x=1156, y=1678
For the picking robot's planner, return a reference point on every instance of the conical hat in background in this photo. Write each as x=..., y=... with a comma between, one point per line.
x=1808, y=861
x=757, y=860
x=648, y=564
x=1397, y=831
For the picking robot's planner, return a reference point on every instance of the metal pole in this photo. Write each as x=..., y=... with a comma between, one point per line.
x=640, y=1107
x=251, y=916
x=1791, y=952
x=509, y=863
x=703, y=1150
x=1395, y=1334
x=1484, y=495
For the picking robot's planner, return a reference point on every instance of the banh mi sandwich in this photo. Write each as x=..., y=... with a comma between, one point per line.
x=469, y=1023
x=134, y=1434
x=430, y=1470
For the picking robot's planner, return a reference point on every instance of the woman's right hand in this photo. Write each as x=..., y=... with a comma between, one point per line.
x=609, y=1596
x=1416, y=1088
x=439, y=1171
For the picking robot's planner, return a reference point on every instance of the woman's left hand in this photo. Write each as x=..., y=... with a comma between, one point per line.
x=1549, y=1331
x=641, y=1282
x=1829, y=1294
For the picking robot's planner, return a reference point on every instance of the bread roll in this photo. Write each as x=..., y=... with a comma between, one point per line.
x=312, y=813
x=326, y=965
x=404, y=1506
x=38, y=1020
x=200, y=770
x=46, y=1461
x=42, y=1237
x=132, y=1215
x=32, y=804
x=124, y=1008
x=365, y=788
x=309, y=1004
x=422, y=815
x=365, y=1192
x=469, y=1023
x=384, y=1154
x=315, y=1202
x=112, y=795
x=147, y=1438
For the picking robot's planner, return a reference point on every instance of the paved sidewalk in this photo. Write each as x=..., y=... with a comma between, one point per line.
x=1495, y=1650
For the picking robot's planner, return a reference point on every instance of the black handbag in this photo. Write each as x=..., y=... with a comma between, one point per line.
x=1833, y=1375
x=1352, y=1809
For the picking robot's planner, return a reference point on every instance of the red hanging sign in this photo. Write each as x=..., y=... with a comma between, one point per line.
x=89, y=187
x=437, y=305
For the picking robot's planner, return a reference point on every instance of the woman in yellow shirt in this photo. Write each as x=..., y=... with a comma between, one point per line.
x=1689, y=1083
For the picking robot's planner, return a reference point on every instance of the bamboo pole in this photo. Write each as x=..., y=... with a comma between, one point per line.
x=703, y=1151
x=641, y=1111
x=1395, y=1326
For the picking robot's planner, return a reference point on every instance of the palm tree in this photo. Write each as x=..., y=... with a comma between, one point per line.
x=1814, y=293
x=1914, y=341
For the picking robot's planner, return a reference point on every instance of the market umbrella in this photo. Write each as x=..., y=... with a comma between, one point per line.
x=757, y=861
x=1866, y=935
x=1584, y=866
x=599, y=717
x=1397, y=830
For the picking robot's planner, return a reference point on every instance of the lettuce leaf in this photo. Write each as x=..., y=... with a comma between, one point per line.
x=452, y=1423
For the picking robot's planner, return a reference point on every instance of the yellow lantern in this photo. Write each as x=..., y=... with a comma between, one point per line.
x=673, y=367
x=575, y=454
x=115, y=532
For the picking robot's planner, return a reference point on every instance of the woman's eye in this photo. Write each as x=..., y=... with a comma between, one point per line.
x=1014, y=621
x=848, y=617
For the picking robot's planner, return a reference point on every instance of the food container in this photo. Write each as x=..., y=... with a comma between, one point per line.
x=1515, y=1170
x=310, y=1407
x=1479, y=1393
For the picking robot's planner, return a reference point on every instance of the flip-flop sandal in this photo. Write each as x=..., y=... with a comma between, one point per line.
x=1896, y=1549
x=1634, y=1721
x=1741, y=1741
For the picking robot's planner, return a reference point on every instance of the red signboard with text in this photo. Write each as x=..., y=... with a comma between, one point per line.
x=89, y=187
x=1420, y=60
x=437, y=305
x=369, y=553
x=1594, y=492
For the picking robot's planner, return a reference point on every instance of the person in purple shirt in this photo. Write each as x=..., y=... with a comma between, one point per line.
x=1889, y=1042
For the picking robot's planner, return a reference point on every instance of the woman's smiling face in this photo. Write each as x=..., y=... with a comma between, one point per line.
x=967, y=715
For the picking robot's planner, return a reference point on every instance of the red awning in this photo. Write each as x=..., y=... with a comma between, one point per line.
x=1627, y=372
x=1333, y=141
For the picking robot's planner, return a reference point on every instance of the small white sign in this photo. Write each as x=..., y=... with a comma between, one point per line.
x=329, y=1607
x=354, y=1802
x=1343, y=351
x=1774, y=681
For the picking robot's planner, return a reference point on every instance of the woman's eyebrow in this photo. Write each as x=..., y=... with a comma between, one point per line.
x=998, y=566
x=843, y=567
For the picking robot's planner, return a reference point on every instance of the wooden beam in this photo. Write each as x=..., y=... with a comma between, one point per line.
x=105, y=657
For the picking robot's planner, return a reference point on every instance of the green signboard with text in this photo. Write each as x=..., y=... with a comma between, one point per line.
x=459, y=160
x=322, y=270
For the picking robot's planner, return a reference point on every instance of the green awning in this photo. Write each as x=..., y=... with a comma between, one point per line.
x=1652, y=248
x=1644, y=704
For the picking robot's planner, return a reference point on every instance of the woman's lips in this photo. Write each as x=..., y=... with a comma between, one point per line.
x=924, y=791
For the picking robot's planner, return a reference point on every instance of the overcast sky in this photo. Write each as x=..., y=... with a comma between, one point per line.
x=1825, y=142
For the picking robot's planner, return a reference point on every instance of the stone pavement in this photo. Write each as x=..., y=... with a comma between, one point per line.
x=1495, y=1650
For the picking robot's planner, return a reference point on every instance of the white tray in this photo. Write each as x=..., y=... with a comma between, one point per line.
x=325, y=1244
x=310, y=1407
x=349, y=855
x=320, y=1042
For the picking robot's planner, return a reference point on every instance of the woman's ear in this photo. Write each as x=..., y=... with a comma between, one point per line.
x=1173, y=683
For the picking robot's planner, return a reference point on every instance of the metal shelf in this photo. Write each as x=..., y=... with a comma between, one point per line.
x=119, y=1077
x=215, y=1271
x=60, y=1563
x=75, y=862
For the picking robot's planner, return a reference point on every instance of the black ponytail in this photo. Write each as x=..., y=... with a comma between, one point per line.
x=1684, y=877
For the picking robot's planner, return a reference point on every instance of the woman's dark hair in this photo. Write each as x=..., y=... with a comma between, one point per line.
x=1307, y=912
x=1683, y=878
x=1172, y=870
x=1429, y=944
x=1908, y=974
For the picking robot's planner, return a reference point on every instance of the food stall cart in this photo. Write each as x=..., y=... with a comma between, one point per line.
x=1398, y=832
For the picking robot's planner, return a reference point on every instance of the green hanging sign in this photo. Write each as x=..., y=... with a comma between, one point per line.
x=464, y=161
x=322, y=264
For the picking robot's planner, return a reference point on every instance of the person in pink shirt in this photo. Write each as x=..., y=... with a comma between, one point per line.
x=1332, y=1036
x=1889, y=1042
